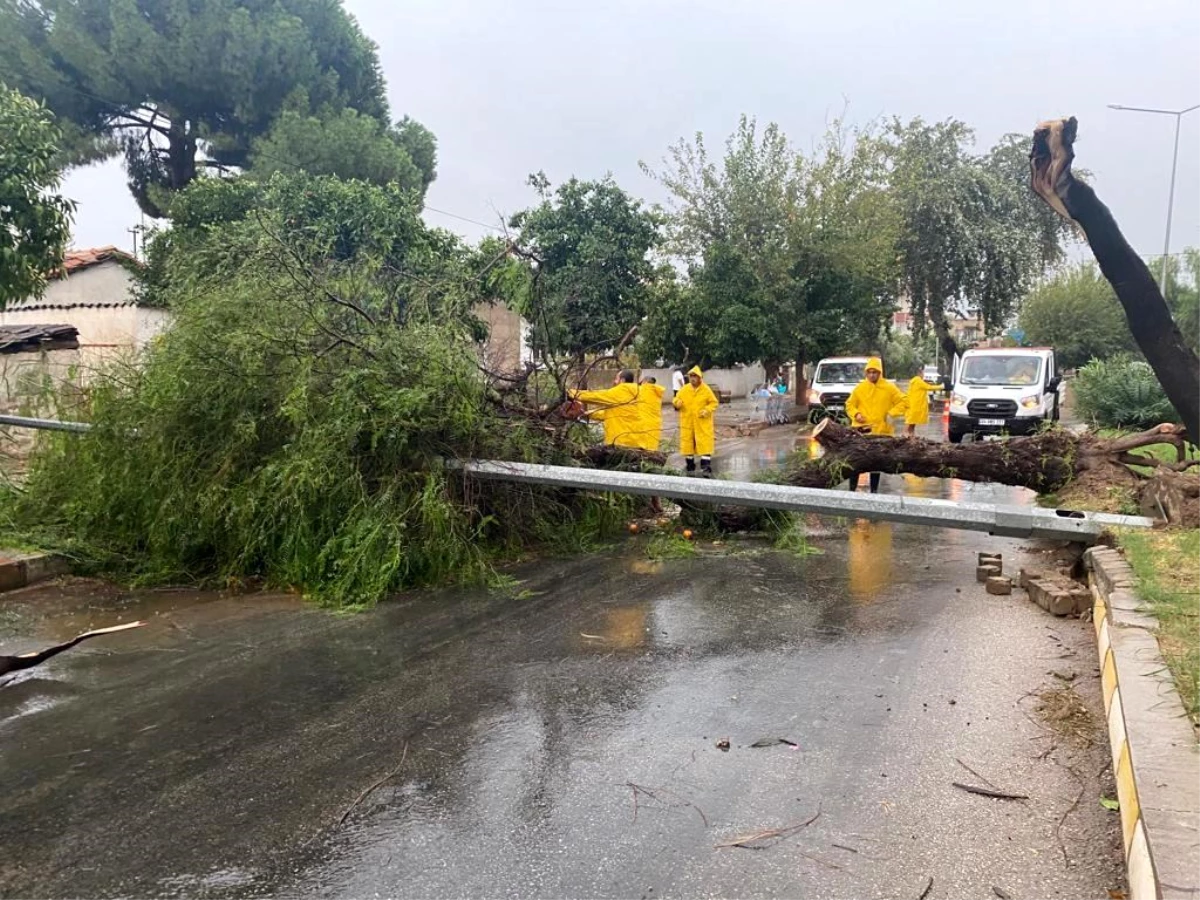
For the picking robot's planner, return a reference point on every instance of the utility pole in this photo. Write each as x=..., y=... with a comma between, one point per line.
x=1178, y=114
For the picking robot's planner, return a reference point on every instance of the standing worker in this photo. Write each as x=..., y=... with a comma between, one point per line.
x=918, y=401
x=677, y=381
x=870, y=404
x=650, y=404
x=618, y=409
x=696, y=404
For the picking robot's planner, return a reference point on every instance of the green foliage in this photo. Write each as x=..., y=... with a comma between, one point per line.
x=162, y=81
x=1077, y=313
x=972, y=237
x=294, y=423
x=1121, y=392
x=1182, y=292
x=789, y=256
x=592, y=243
x=669, y=545
x=35, y=221
x=348, y=144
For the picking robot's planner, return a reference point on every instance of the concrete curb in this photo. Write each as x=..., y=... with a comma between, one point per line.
x=18, y=569
x=1155, y=754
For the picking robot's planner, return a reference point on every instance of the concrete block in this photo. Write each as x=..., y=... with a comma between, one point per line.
x=991, y=559
x=999, y=584
x=983, y=573
x=1059, y=602
x=12, y=574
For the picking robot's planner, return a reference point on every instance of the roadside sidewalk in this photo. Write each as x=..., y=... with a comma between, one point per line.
x=18, y=568
x=1156, y=758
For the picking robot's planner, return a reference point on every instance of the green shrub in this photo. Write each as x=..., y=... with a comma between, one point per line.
x=293, y=426
x=1121, y=393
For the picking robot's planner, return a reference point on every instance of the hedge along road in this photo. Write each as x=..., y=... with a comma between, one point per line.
x=565, y=742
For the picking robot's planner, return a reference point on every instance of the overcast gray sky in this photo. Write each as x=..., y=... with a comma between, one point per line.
x=587, y=88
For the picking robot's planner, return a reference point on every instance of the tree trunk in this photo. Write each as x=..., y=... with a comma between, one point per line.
x=1044, y=462
x=801, y=381
x=945, y=339
x=1157, y=335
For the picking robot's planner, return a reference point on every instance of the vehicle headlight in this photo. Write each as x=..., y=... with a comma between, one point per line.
x=958, y=400
x=814, y=397
x=1032, y=401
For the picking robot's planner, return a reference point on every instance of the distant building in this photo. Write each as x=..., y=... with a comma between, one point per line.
x=93, y=293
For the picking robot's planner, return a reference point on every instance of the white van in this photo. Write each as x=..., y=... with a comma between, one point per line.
x=1010, y=390
x=833, y=380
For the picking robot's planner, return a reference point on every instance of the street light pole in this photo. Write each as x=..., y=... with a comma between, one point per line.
x=1178, y=114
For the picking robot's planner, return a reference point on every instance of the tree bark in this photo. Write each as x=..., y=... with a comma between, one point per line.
x=801, y=381
x=945, y=339
x=1157, y=335
x=1044, y=462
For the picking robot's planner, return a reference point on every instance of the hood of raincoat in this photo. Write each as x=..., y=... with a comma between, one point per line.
x=874, y=363
x=695, y=370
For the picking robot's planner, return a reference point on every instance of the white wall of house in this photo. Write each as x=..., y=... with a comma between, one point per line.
x=739, y=380
x=98, y=301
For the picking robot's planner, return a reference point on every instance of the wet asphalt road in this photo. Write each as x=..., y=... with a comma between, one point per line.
x=563, y=741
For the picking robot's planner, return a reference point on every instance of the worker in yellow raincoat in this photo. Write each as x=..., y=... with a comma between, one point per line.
x=697, y=435
x=617, y=408
x=870, y=404
x=918, y=401
x=650, y=404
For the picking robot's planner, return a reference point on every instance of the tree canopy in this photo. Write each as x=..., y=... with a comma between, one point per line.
x=590, y=244
x=1077, y=313
x=790, y=256
x=35, y=220
x=178, y=85
x=972, y=239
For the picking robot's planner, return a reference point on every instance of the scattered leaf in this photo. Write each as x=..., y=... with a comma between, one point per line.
x=1109, y=803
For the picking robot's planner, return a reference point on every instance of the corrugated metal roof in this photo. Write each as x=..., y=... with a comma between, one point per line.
x=22, y=338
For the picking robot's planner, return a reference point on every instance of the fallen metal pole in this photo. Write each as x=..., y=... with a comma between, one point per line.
x=45, y=424
x=1006, y=520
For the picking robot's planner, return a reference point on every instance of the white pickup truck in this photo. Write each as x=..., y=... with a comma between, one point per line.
x=1010, y=390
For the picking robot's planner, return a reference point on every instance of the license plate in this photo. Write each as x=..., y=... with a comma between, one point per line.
x=999, y=423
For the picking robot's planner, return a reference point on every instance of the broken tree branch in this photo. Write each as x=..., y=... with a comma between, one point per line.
x=1150, y=322
x=985, y=792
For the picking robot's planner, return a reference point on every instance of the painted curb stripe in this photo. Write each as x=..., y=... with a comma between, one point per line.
x=1139, y=864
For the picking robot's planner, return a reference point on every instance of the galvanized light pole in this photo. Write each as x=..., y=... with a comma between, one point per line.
x=1178, y=114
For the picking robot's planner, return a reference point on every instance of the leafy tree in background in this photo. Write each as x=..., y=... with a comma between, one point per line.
x=970, y=241
x=1077, y=313
x=1182, y=292
x=181, y=85
x=592, y=244
x=348, y=144
x=816, y=236
x=35, y=221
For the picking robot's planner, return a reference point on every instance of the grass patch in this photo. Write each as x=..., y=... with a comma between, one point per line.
x=1167, y=565
x=668, y=545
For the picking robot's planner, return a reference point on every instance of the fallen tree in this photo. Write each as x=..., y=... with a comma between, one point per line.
x=1046, y=462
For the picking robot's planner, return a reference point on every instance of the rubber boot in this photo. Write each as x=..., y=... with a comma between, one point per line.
x=705, y=467
x=875, y=476
x=690, y=464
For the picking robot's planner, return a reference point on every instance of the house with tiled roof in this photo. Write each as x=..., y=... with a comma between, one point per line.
x=94, y=293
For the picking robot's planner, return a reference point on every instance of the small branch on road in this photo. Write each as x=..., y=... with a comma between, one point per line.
x=366, y=793
x=768, y=834
x=928, y=888
x=984, y=792
x=976, y=774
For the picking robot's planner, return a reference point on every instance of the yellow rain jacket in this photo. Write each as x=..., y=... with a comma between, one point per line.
x=650, y=406
x=918, y=400
x=618, y=410
x=696, y=407
x=876, y=402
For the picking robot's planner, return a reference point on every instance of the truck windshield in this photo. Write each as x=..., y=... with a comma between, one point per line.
x=839, y=373
x=1001, y=370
